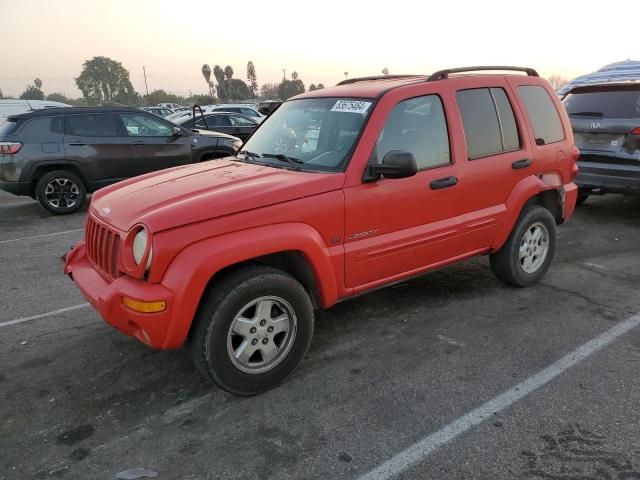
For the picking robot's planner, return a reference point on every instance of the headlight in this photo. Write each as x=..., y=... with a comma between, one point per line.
x=139, y=247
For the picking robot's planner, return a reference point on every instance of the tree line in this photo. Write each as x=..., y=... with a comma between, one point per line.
x=104, y=81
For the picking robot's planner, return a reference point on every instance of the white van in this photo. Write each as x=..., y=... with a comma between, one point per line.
x=15, y=107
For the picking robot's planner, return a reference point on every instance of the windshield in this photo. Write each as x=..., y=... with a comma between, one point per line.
x=316, y=134
x=606, y=104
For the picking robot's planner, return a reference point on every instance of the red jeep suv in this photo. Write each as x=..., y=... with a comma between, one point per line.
x=340, y=191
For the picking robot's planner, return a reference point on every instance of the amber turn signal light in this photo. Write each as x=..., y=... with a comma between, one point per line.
x=144, y=307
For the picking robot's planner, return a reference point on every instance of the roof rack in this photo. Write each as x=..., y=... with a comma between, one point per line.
x=376, y=77
x=444, y=74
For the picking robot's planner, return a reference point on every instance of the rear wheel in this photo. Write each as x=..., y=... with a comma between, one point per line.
x=525, y=257
x=61, y=192
x=252, y=330
x=582, y=196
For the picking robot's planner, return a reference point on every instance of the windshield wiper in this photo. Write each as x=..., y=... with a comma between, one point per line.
x=284, y=158
x=586, y=114
x=249, y=154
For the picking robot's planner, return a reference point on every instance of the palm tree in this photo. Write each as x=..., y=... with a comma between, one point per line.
x=219, y=74
x=228, y=73
x=294, y=75
x=385, y=71
x=206, y=73
x=346, y=74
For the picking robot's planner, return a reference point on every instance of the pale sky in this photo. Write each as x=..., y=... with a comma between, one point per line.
x=319, y=39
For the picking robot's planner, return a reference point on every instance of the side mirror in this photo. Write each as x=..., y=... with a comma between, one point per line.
x=395, y=164
x=177, y=132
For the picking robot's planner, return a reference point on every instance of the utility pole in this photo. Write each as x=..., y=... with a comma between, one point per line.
x=284, y=74
x=146, y=87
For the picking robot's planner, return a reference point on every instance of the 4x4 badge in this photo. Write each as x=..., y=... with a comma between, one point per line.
x=106, y=210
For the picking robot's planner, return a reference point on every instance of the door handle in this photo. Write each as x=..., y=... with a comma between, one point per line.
x=139, y=142
x=443, y=183
x=77, y=144
x=524, y=163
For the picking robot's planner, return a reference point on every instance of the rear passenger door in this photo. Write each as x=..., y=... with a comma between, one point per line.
x=153, y=143
x=98, y=143
x=497, y=153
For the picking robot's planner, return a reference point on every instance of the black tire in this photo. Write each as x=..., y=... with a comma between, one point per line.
x=506, y=263
x=220, y=305
x=69, y=197
x=582, y=196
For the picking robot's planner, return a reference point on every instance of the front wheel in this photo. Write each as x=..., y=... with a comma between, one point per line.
x=253, y=328
x=525, y=257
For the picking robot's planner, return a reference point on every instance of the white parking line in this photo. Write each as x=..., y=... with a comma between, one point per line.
x=425, y=447
x=41, y=236
x=43, y=315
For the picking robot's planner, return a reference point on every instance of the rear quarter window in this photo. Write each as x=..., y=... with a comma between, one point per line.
x=545, y=120
x=8, y=127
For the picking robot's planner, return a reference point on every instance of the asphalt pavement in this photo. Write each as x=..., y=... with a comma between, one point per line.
x=449, y=376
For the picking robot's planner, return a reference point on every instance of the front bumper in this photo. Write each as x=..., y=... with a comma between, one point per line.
x=106, y=297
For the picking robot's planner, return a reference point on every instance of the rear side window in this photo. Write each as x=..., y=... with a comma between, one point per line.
x=489, y=123
x=417, y=125
x=610, y=104
x=215, y=121
x=544, y=117
x=8, y=127
x=57, y=125
x=92, y=125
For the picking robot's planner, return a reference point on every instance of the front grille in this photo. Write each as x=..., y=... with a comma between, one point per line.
x=102, y=247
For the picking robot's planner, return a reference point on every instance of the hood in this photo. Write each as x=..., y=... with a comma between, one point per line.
x=193, y=193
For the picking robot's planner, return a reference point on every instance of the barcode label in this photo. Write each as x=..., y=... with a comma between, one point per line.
x=351, y=106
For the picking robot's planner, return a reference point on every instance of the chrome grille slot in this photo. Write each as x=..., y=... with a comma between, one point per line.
x=102, y=245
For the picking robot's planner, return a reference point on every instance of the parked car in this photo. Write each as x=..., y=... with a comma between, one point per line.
x=160, y=111
x=15, y=107
x=172, y=106
x=246, y=110
x=268, y=106
x=340, y=191
x=606, y=124
x=59, y=155
x=179, y=115
x=225, y=122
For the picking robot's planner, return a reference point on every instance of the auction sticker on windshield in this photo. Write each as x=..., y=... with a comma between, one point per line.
x=351, y=106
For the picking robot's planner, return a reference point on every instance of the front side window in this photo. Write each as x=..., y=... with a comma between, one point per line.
x=139, y=125
x=316, y=134
x=417, y=125
x=544, y=117
x=92, y=125
x=248, y=112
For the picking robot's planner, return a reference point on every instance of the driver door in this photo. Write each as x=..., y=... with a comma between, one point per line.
x=154, y=146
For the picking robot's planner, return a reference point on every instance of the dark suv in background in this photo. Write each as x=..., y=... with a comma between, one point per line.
x=59, y=155
x=606, y=123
